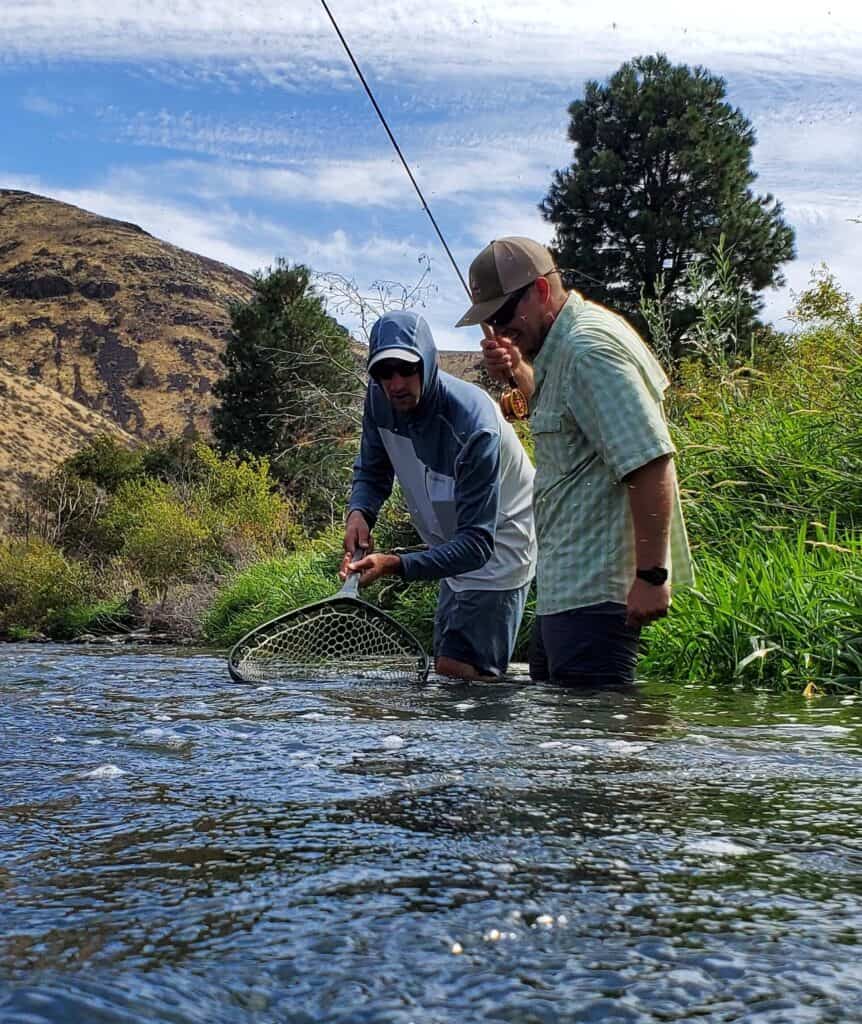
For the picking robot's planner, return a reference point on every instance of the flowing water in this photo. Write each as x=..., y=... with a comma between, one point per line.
x=175, y=847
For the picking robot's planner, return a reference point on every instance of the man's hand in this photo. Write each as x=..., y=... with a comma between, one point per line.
x=372, y=567
x=646, y=603
x=356, y=535
x=501, y=357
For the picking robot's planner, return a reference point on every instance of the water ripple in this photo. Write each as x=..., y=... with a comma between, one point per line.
x=177, y=848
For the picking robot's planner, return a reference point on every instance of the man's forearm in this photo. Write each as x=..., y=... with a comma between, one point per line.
x=523, y=374
x=651, y=498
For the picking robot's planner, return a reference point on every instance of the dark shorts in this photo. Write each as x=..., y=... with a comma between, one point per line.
x=478, y=627
x=589, y=646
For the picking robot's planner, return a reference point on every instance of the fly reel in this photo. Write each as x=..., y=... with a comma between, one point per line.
x=513, y=403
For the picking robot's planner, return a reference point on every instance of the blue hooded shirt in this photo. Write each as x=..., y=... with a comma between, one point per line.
x=464, y=473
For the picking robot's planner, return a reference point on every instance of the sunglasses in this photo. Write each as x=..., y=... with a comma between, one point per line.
x=506, y=313
x=387, y=368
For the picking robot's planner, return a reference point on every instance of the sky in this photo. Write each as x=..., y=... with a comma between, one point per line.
x=239, y=130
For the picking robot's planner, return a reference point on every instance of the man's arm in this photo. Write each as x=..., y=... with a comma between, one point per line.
x=477, y=503
x=650, y=490
x=373, y=474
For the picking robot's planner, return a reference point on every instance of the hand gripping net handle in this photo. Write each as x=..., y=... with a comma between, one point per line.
x=337, y=638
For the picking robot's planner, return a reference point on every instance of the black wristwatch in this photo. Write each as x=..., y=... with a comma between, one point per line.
x=657, y=576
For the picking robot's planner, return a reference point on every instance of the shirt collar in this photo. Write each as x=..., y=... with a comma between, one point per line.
x=554, y=338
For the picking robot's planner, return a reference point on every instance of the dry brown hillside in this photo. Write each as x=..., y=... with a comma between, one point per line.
x=99, y=310
x=38, y=429
x=111, y=325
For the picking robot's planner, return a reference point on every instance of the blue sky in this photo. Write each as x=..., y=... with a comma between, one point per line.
x=239, y=131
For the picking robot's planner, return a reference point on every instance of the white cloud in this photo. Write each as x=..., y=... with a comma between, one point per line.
x=40, y=105
x=455, y=175
x=446, y=39
x=507, y=217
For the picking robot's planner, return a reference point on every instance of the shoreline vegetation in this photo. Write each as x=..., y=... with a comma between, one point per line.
x=175, y=542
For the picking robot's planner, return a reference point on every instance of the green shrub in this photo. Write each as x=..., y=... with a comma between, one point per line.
x=106, y=462
x=236, y=499
x=270, y=588
x=161, y=539
x=37, y=584
x=99, y=618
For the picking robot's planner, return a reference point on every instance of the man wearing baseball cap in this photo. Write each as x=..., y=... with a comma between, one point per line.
x=608, y=516
x=468, y=485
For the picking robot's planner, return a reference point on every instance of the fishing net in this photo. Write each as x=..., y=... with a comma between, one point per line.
x=339, y=637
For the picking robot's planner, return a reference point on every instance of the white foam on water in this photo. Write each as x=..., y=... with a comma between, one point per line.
x=550, y=744
x=163, y=738
x=620, y=717
x=263, y=689
x=58, y=739
x=718, y=848
x=93, y=743
x=104, y=771
x=393, y=742
x=625, y=747
x=163, y=718
x=812, y=729
x=313, y=715
x=465, y=705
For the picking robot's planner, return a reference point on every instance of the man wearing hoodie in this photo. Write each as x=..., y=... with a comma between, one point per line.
x=468, y=485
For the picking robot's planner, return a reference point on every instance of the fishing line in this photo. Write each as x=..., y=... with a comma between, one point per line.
x=406, y=166
x=394, y=142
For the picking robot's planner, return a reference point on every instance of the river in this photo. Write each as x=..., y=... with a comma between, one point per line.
x=175, y=847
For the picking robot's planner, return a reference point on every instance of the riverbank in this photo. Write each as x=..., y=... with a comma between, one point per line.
x=174, y=539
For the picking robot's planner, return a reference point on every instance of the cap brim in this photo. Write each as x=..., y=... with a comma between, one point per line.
x=406, y=355
x=480, y=312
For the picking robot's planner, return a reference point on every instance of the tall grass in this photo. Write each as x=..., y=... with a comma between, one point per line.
x=785, y=610
x=770, y=465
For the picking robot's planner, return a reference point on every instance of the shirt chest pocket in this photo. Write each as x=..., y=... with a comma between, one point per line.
x=441, y=493
x=553, y=443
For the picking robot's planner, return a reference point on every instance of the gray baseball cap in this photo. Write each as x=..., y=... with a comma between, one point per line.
x=501, y=268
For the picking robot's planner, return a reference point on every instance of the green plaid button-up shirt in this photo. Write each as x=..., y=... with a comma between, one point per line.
x=596, y=416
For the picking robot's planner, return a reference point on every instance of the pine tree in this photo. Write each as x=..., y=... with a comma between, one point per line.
x=292, y=390
x=662, y=169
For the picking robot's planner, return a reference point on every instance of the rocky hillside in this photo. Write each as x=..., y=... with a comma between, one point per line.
x=105, y=314
x=38, y=430
x=104, y=328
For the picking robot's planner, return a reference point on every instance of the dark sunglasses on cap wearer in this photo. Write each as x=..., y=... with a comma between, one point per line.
x=387, y=368
x=506, y=313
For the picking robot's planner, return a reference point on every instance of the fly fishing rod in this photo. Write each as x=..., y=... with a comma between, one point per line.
x=512, y=401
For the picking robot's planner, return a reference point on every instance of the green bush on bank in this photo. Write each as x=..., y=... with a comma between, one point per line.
x=270, y=588
x=38, y=584
x=110, y=520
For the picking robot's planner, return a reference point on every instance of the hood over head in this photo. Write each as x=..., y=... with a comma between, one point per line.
x=410, y=333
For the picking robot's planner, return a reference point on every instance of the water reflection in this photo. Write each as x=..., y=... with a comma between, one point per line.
x=176, y=847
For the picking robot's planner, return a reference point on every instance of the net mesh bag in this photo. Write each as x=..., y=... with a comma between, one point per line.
x=337, y=638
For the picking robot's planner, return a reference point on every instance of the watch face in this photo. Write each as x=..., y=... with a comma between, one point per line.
x=656, y=576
